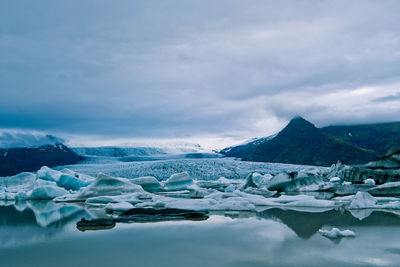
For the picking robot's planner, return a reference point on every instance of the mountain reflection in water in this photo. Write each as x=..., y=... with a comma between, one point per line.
x=306, y=224
x=45, y=233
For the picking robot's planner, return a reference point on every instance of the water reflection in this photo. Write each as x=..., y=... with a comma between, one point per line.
x=45, y=233
x=306, y=224
x=27, y=222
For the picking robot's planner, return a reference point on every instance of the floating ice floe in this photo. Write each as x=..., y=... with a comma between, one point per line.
x=120, y=206
x=133, y=198
x=336, y=233
x=347, y=188
x=302, y=201
x=363, y=200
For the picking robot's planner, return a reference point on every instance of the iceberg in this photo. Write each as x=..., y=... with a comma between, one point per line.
x=47, y=192
x=45, y=173
x=294, y=181
x=363, y=200
x=149, y=183
x=249, y=183
x=261, y=180
x=29, y=187
x=178, y=181
x=387, y=189
x=70, y=182
x=17, y=182
x=104, y=185
x=68, y=179
x=196, y=191
x=231, y=188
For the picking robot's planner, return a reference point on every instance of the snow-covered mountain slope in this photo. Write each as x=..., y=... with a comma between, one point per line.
x=247, y=145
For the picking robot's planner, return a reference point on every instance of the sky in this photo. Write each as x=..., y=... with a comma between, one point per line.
x=213, y=72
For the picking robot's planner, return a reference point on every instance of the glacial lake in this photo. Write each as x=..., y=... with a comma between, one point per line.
x=42, y=233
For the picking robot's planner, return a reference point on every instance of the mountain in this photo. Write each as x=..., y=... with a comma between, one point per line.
x=381, y=138
x=300, y=142
x=24, y=159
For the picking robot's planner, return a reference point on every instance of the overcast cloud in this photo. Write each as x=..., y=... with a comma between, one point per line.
x=187, y=69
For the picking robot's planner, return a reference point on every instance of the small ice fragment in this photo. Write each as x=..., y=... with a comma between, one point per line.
x=336, y=233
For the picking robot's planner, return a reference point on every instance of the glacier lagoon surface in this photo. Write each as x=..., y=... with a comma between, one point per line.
x=44, y=233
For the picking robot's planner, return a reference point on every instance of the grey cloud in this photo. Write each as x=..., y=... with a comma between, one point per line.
x=181, y=68
x=389, y=98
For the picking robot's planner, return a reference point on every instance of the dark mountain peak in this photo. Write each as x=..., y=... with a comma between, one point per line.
x=300, y=121
x=299, y=125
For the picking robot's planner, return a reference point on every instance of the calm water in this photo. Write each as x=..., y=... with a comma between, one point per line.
x=45, y=234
